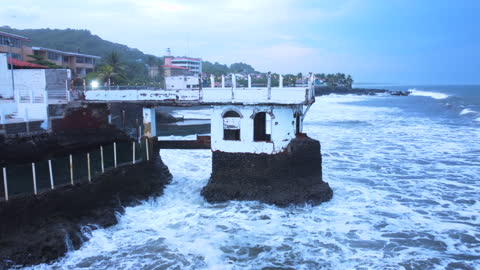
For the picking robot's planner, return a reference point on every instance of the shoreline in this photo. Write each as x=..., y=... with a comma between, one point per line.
x=325, y=90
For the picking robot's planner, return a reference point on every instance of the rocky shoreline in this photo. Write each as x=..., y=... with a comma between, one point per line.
x=42, y=228
x=325, y=90
x=292, y=177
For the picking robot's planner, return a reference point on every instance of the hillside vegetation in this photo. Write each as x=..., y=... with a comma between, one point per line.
x=130, y=65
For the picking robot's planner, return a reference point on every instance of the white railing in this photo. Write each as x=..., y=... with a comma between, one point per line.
x=280, y=95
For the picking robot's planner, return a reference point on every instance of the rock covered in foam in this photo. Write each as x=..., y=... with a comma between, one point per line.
x=291, y=177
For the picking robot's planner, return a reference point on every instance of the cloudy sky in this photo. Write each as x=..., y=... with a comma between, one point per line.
x=395, y=41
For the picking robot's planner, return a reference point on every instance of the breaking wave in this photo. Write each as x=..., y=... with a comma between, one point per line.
x=435, y=95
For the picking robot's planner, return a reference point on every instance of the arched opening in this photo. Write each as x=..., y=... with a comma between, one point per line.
x=231, y=126
x=262, y=127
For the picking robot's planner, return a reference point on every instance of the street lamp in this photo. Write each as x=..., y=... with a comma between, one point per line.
x=10, y=44
x=94, y=84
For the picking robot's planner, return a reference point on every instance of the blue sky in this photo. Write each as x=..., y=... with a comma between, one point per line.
x=394, y=41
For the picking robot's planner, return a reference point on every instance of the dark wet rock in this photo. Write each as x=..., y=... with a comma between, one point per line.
x=55, y=144
x=39, y=229
x=459, y=265
x=326, y=90
x=291, y=177
x=399, y=93
x=163, y=117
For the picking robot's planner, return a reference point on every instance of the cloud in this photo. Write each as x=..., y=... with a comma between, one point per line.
x=364, y=37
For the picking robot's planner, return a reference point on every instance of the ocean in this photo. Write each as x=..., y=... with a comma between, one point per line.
x=405, y=172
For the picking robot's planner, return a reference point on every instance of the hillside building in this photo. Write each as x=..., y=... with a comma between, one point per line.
x=17, y=44
x=181, y=66
x=80, y=64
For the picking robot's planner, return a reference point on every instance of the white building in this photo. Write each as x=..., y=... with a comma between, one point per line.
x=259, y=129
x=181, y=82
x=194, y=65
x=33, y=90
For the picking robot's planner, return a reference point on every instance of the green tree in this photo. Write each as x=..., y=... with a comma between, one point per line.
x=113, y=60
x=40, y=60
x=241, y=68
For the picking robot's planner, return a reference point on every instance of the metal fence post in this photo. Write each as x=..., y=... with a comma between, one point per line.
x=115, y=154
x=71, y=169
x=133, y=152
x=34, y=176
x=101, y=157
x=5, y=186
x=88, y=168
x=146, y=147
x=27, y=120
x=51, y=173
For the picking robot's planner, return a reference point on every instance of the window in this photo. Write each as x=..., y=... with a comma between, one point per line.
x=6, y=41
x=261, y=127
x=54, y=56
x=81, y=72
x=65, y=59
x=17, y=56
x=88, y=60
x=231, y=126
x=80, y=59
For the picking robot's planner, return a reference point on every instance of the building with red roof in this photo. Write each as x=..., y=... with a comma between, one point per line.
x=175, y=66
x=19, y=64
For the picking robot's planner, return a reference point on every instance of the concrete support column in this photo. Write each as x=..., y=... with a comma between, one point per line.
x=249, y=81
x=269, y=85
x=311, y=85
x=234, y=81
x=223, y=81
x=149, y=122
x=212, y=81
x=280, y=81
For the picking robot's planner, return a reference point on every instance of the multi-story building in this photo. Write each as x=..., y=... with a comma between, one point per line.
x=16, y=44
x=192, y=64
x=176, y=66
x=80, y=64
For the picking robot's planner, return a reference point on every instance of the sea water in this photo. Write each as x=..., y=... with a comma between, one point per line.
x=405, y=172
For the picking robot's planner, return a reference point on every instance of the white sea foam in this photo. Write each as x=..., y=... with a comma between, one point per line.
x=435, y=95
x=403, y=197
x=203, y=114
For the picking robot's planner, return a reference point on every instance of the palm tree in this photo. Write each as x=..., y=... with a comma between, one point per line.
x=349, y=81
x=113, y=60
x=105, y=73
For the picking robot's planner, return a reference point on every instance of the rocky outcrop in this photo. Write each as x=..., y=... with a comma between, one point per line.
x=38, y=229
x=55, y=144
x=291, y=177
x=326, y=90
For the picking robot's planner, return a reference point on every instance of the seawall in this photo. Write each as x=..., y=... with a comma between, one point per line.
x=39, y=229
